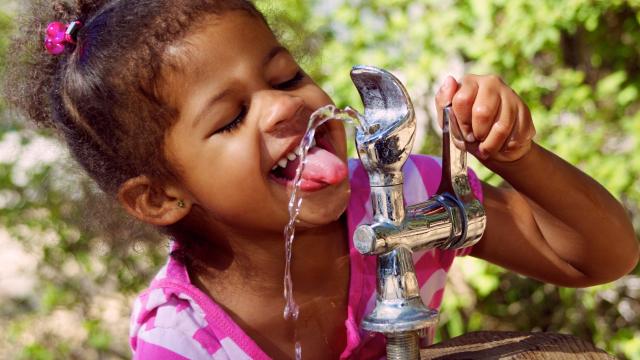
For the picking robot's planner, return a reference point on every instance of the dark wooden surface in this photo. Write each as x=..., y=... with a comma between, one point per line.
x=514, y=345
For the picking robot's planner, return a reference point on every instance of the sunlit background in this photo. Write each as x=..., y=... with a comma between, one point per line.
x=70, y=264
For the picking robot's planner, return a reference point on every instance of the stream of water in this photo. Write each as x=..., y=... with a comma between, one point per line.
x=319, y=117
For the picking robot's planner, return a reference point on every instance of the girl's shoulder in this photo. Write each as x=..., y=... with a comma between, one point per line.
x=167, y=322
x=173, y=319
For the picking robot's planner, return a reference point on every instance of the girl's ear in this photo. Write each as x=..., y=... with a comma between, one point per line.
x=160, y=206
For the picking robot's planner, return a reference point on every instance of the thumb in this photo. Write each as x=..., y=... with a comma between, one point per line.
x=445, y=95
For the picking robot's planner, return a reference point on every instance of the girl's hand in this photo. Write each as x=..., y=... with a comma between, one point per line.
x=495, y=123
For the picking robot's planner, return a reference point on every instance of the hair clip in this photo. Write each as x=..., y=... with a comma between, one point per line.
x=59, y=34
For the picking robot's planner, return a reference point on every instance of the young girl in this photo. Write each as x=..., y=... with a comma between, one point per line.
x=189, y=112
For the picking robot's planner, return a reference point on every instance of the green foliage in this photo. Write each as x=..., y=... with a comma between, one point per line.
x=37, y=352
x=574, y=62
x=99, y=338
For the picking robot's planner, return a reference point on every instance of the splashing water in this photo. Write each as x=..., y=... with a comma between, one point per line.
x=318, y=118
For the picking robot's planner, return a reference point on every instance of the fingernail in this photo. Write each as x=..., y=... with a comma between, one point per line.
x=470, y=138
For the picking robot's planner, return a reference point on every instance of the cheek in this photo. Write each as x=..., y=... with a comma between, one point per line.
x=220, y=177
x=316, y=97
x=234, y=196
x=233, y=176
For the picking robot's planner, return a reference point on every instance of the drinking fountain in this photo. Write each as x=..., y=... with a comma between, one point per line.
x=451, y=219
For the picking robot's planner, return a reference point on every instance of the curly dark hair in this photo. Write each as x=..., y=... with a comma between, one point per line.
x=103, y=94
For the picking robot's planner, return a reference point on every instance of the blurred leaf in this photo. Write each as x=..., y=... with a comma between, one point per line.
x=99, y=338
x=37, y=352
x=611, y=84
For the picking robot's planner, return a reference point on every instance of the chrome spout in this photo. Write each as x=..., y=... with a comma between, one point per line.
x=451, y=219
x=385, y=139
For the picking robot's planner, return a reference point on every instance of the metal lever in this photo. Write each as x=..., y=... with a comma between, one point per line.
x=455, y=184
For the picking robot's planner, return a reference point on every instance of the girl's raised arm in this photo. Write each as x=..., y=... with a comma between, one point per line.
x=554, y=223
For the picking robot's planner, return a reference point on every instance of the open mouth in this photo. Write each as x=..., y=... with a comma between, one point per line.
x=323, y=167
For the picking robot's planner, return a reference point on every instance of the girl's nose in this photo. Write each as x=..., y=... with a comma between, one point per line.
x=280, y=112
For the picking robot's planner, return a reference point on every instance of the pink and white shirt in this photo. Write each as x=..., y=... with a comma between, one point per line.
x=173, y=319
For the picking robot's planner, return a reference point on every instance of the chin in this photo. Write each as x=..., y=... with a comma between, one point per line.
x=324, y=209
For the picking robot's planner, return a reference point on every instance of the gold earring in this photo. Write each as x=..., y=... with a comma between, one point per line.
x=181, y=204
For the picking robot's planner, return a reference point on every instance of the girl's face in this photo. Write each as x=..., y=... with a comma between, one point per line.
x=243, y=105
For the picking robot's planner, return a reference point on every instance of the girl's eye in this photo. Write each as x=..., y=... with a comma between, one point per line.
x=234, y=123
x=295, y=80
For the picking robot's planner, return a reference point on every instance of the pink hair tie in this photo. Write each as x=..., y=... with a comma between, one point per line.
x=59, y=34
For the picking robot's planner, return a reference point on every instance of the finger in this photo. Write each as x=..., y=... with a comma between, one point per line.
x=511, y=143
x=485, y=112
x=500, y=131
x=455, y=132
x=444, y=95
x=523, y=130
x=462, y=104
x=446, y=92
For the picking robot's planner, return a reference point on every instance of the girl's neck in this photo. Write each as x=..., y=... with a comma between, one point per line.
x=255, y=263
x=245, y=277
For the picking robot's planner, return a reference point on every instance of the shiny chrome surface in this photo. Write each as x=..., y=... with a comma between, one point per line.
x=387, y=203
x=451, y=219
x=386, y=135
x=398, y=307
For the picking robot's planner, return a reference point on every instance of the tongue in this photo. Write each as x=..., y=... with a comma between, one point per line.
x=322, y=167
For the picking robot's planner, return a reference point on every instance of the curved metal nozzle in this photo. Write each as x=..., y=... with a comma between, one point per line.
x=385, y=137
x=386, y=101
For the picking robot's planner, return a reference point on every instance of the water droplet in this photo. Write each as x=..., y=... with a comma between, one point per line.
x=298, y=351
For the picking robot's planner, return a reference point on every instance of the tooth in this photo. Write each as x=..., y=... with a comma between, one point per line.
x=313, y=142
x=291, y=156
x=282, y=163
x=274, y=167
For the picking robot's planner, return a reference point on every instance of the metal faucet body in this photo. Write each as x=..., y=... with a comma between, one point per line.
x=451, y=219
